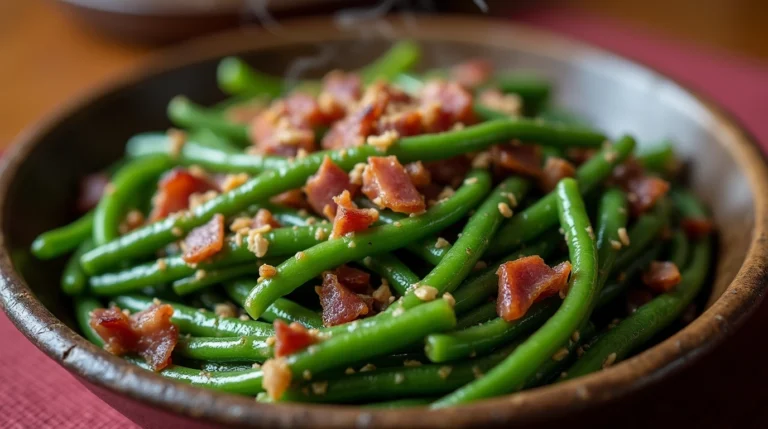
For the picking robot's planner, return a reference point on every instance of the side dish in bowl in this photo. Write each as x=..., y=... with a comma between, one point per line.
x=384, y=238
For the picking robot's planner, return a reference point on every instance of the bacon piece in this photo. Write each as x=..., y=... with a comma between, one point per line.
x=419, y=175
x=149, y=333
x=357, y=281
x=263, y=218
x=696, y=228
x=292, y=338
x=445, y=104
x=329, y=181
x=340, y=305
x=580, y=155
x=644, y=191
x=349, y=218
x=524, y=159
x=273, y=134
x=294, y=198
x=173, y=192
x=92, y=189
x=204, y=241
x=352, y=130
x=387, y=184
x=525, y=281
x=406, y=123
x=345, y=88
x=661, y=276
x=303, y=111
x=555, y=170
x=449, y=172
x=472, y=73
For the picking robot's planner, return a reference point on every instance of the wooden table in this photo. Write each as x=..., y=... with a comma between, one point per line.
x=46, y=57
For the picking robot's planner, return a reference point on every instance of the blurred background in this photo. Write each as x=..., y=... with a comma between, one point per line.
x=52, y=50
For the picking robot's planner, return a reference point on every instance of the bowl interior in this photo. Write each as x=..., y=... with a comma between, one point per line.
x=614, y=94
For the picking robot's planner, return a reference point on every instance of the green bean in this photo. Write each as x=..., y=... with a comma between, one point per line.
x=612, y=216
x=649, y=319
x=398, y=59
x=477, y=316
x=200, y=323
x=237, y=77
x=553, y=368
x=194, y=283
x=554, y=114
x=146, y=240
x=244, y=382
x=542, y=215
x=282, y=242
x=73, y=279
x=477, y=289
x=688, y=205
x=220, y=366
x=208, y=138
x=645, y=231
x=125, y=183
x=197, y=150
x=209, y=299
x=394, y=383
x=84, y=306
x=425, y=248
x=389, y=267
x=282, y=308
x=482, y=339
x=399, y=404
x=659, y=158
x=533, y=90
x=64, y=239
x=679, y=249
x=614, y=289
x=296, y=271
x=467, y=250
x=286, y=216
x=227, y=349
x=542, y=345
x=184, y=113
x=385, y=336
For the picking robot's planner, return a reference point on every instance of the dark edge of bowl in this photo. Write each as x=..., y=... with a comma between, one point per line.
x=82, y=358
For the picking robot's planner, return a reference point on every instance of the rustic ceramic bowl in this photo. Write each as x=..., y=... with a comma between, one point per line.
x=39, y=177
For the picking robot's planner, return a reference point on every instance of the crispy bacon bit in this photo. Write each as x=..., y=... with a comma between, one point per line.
x=345, y=88
x=294, y=198
x=204, y=241
x=285, y=128
x=387, y=184
x=419, y=174
x=303, y=111
x=472, y=73
x=525, y=281
x=149, y=333
x=292, y=338
x=357, y=281
x=92, y=189
x=352, y=130
x=449, y=172
x=328, y=182
x=662, y=276
x=522, y=159
x=277, y=377
x=174, y=190
x=696, y=228
x=644, y=191
x=510, y=104
x=340, y=305
x=580, y=155
x=555, y=170
x=263, y=218
x=349, y=218
x=406, y=123
x=443, y=104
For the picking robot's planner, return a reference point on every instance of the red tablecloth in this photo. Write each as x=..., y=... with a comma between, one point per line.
x=36, y=393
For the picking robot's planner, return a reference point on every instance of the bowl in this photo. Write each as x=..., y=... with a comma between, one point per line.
x=39, y=179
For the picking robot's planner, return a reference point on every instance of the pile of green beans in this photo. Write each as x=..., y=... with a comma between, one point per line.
x=438, y=340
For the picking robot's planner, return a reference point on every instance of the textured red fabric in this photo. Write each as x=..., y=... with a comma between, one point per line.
x=36, y=392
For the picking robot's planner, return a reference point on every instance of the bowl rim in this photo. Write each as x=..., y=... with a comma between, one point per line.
x=77, y=355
